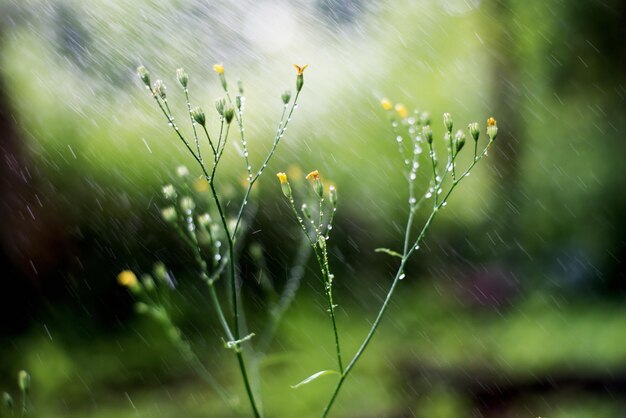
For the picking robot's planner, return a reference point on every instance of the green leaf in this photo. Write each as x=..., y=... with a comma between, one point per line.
x=315, y=376
x=388, y=251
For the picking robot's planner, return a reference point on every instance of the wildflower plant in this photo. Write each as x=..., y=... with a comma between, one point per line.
x=211, y=232
x=214, y=233
x=413, y=134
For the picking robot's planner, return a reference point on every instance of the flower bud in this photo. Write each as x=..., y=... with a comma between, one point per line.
x=286, y=96
x=148, y=282
x=425, y=118
x=220, y=105
x=160, y=271
x=300, y=76
x=182, y=171
x=332, y=195
x=187, y=204
x=169, y=214
x=182, y=77
x=427, y=132
x=447, y=121
x=23, y=380
x=144, y=75
x=7, y=400
x=284, y=185
x=306, y=212
x=198, y=115
x=159, y=88
x=474, y=130
x=459, y=140
x=314, y=178
x=204, y=220
x=229, y=114
x=240, y=87
x=169, y=193
x=141, y=308
x=492, y=128
x=219, y=69
x=238, y=101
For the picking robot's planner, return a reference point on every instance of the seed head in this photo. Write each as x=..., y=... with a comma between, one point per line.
x=159, y=88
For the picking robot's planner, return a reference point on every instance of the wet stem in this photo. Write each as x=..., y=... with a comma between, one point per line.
x=405, y=256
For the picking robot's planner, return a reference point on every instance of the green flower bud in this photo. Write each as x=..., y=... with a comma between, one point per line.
x=7, y=400
x=187, y=204
x=160, y=271
x=204, y=220
x=229, y=114
x=169, y=214
x=427, y=132
x=474, y=130
x=219, y=106
x=23, y=381
x=299, y=82
x=141, y=308
x=306, y=211
x=159, y=88
x=314, y=178
x=148, y=282
x=447, y=121
x=182, y=77
x=182, y=171
x=425, y=118
x=459, y=140
x=286, y=96
x=169, y=193
x=240, y=87
x=198, y=115
x=332, y=195
x=144, y=75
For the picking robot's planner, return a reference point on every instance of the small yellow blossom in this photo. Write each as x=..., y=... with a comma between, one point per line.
x=402, y=110
x=300, y=69
x=201, y=185
x=491, y=121
x=127, y=278
x=313, y=175
x=218, y=68
x=386, y=104
x=282, y=177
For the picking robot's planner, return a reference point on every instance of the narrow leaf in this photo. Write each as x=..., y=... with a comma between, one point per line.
x=388, y=251
x=315, y=376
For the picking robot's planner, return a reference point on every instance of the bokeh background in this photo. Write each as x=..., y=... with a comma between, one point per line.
x=515, y=305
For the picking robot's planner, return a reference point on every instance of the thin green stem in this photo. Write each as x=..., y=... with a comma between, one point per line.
x=193, y=123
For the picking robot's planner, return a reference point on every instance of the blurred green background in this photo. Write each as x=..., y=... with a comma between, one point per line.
x=514, y=307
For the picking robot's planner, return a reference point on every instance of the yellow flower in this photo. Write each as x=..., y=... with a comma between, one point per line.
x=201, y=185
x=491, y=121
x=313, y=175
x=218, y=68
x=127, y=278
x=386, y=104
x=300, y=69
x=282, y=177
x=402, y=110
